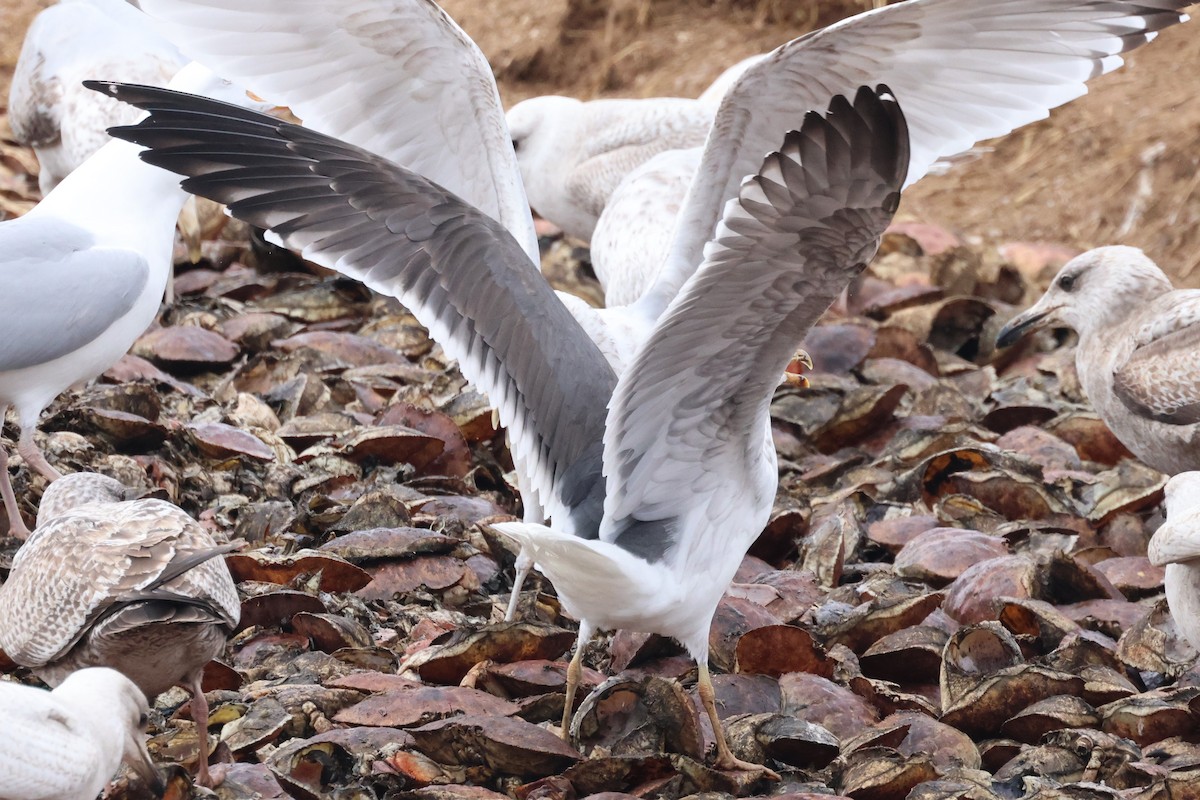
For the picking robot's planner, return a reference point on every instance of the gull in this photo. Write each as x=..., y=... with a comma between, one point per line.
x=68, y=743
x=677, y=452
x=1176, y=546
x=65, y=124
x=423, y=96
x=573, y=153
x=82, y=276
x=48, y=108
x=968, y=70
x=135, y=585
x=1136, y=352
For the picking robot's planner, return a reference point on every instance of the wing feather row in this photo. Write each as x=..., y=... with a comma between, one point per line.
x=694, y=404
x=88, y=561
x=396, y=77
x=458, y=270
x=966, y=71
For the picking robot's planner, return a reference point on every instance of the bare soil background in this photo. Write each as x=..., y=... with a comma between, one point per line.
x=1117, y=166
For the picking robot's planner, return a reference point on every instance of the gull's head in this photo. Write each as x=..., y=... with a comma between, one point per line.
x=77, y=489
x=543, y=131
x=1178, y=539
x=1091, y=293
x=195, y=78
x=119, y=709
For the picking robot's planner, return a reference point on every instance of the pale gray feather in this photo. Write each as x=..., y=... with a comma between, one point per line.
x=694, y=403
x=53, y=280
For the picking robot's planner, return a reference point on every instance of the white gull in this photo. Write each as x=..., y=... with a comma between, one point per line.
x=68, y=743
x=82, y=275
x=423, y=96
x=684, y=434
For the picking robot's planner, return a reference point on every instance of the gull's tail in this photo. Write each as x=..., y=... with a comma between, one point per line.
x=587, y=574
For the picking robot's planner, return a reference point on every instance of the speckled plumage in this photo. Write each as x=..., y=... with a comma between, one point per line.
x=1136, y=356
x=48, y=107
x=98, y=579
x=135, y=585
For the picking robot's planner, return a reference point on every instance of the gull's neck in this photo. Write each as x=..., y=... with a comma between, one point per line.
x=123, y=202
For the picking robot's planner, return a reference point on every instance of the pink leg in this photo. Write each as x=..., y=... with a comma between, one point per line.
x=16, y=525
x=33, y=456
x=200, y=717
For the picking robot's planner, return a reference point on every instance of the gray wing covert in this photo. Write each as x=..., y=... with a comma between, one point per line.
x=66, y=292
x=696, y=398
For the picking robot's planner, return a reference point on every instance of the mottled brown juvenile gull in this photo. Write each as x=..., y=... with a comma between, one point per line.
x=82, y=275
x=48, y=108
x=135, y=585
x=690, y=461
x=68, y=743
x=1176, y=546
x=1136, y=356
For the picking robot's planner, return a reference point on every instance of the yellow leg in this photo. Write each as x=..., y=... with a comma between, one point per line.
x=574, y=673
x=725, y=758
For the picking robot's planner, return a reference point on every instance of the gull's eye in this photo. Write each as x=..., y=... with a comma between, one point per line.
x=143, y=720
x=1066, y=283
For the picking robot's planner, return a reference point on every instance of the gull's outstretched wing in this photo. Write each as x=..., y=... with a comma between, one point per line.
x=694, y=405
x=1158, y=379
x=966, y=70
x=396, y=77
x=458, y=270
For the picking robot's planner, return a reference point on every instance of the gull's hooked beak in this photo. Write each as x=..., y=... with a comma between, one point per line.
x=1032, y=318
x=793, y=375
x=138, y=759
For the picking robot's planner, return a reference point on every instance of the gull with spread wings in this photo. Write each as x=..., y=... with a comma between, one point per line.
x=676, y=457
x=400, y=79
